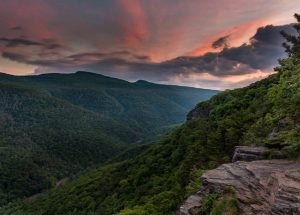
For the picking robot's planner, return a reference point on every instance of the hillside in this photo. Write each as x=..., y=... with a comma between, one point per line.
x=43, y=139
x=157, y=180
x=54, y=126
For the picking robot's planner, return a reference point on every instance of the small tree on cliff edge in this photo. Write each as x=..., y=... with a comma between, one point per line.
x=292, y=46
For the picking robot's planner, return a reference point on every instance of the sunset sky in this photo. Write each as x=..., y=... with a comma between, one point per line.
x=215, y=44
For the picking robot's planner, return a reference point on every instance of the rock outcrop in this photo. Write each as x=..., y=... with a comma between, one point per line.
x=198, y=112
x=248, y=153
x=261, y=187
x=191, y=206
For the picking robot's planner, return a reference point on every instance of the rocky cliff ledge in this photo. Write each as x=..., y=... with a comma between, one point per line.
x=261, y=187
x=248, y=153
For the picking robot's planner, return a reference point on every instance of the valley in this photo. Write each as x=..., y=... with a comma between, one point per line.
x=55, y=126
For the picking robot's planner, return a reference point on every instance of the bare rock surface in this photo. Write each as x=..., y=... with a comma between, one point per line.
x=190, y=205
x=264, y=187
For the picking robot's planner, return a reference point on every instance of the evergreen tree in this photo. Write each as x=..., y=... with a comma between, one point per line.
x=292, y=44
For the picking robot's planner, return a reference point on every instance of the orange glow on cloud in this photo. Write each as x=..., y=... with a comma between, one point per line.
x=194, y=77
x=36, y=14
x=152, y=32
x=238, y=35
x=239, y=78
x=134, y=29
x=15, y=68
x=205, y=79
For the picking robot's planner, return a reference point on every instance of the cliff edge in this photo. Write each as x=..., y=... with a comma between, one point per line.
x=260, y=187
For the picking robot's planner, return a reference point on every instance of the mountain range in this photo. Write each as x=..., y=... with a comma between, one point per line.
x=55, y=125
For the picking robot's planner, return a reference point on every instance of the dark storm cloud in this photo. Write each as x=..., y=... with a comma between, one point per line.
x=263, y=50
x=222, y=42
x=15, y=42
x=82, y=60
x=15, y=57
x=260, y=53
x=16, y=28
x=94, y=56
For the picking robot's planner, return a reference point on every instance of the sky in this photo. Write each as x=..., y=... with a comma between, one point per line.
x=217, y=44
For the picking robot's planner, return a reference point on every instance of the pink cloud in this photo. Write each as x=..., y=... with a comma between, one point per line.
x=238, y=35
x=161, y=30
x=33, y=16
x=133, y=27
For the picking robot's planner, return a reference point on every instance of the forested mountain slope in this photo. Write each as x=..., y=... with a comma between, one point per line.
x=143, y=106
x=43, y=139
x=157, y=180
x=53, y=126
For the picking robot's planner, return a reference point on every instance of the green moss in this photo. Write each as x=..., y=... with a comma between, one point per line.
x=195, y=183
x=224, y=203
x=208, y=203
x=225, y=206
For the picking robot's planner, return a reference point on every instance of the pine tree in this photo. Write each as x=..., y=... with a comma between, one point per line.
x=289, y=65
x=292, y=44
